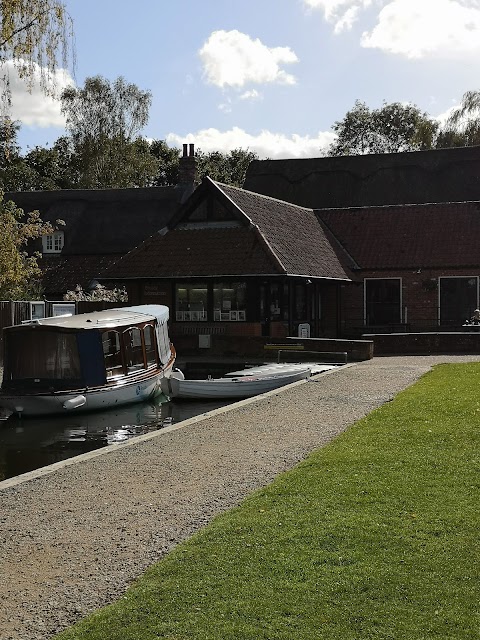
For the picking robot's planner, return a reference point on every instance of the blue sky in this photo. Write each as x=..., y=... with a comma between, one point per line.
x=268, y=75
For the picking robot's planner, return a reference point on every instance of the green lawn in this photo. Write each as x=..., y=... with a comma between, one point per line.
x=373, y=536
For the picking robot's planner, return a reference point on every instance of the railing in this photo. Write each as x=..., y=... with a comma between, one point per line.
x=414, y=319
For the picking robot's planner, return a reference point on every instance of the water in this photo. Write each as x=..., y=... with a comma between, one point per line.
x=28, y=444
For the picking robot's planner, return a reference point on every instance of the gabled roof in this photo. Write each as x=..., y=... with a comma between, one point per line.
x=439, y=175
x=292, y=233
x=262, y=236
x=436, y=235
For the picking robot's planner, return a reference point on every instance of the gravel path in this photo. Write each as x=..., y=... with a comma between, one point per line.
x=72, y=541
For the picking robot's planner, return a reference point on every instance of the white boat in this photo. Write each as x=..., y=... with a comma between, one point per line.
x=274, y=368
x=242, y=387
x=86, y=362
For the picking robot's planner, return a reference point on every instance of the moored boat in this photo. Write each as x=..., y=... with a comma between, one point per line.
x=86, y=362
x=242, y=387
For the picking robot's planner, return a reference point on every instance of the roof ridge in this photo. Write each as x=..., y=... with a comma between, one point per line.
x=262, y=196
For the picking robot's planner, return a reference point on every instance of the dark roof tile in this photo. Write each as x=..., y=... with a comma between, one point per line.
x=408, y=236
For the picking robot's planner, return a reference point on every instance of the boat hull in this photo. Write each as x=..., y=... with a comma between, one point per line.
x=225, y=388
x=79, y=400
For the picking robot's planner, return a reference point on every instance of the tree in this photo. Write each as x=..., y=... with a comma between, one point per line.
x=14, y=173
x=392, y=128
x=168, y=159
x=229, y=168
x=104, y=121
x=462, y=128
x=19, y=271
x=35, y=37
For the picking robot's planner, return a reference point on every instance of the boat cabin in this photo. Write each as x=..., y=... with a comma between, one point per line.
x=88, y=350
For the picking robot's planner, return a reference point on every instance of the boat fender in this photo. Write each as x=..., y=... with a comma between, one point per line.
x=74, y=403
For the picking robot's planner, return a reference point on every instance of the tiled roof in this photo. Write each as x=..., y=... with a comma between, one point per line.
x=63, y=273
x=408, y=236
x=293, y=233
x=195, y=252
x=271, y=237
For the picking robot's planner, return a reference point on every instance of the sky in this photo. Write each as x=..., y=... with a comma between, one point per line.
x=271, y=76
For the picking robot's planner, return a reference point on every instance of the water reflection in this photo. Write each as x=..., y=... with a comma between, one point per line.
x=28, y=444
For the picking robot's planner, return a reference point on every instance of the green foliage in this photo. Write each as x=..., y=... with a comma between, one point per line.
x=104, y=121
x=462, y=128
x=35, y=36
x=19, y=271
x=229, y=168
x=373, y=536
x=392, y=128
x=167, y=159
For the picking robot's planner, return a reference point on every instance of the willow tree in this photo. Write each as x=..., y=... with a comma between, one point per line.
x=36, y=39
x=462, y=128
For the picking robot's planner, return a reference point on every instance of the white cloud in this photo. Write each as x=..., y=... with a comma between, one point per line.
x=267, y=144
x=233, y=59
x=251, y=95
x=410, y=28
x=443, y=117
x=33, y=108
x=415, y=29
x=342, y=13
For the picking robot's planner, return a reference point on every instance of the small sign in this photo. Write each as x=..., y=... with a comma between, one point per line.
x=304, y=330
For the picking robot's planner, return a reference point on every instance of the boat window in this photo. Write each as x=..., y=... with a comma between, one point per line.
x=46, y=355
x=112, y=353
x=191, y=301
x=149, y=338
x=132, y=339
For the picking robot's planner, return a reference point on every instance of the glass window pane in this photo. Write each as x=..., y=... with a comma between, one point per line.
x=382, y=301
x=132, y=339
x=191, y=301
x=458, y=299
x=230, y=301
x=112, y=353
x=149, y=338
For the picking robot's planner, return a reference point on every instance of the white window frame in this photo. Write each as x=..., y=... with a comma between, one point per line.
x=439, y=290
x=400, y=319
x=53, y=242
x=37, y=310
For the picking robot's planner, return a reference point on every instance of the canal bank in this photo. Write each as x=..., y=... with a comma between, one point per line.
x=72, y=540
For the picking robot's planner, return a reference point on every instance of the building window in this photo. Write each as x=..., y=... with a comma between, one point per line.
x=382, y=301
x=191, y=302
x=458, y=299
x=53, y=242
x=230, y=301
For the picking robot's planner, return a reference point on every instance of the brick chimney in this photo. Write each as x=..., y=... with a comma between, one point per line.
x=187, y=166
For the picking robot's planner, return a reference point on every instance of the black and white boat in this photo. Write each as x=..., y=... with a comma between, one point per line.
x=86, y=362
